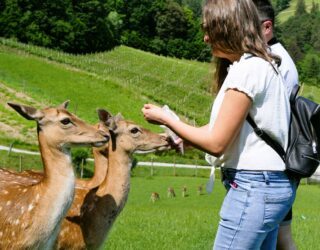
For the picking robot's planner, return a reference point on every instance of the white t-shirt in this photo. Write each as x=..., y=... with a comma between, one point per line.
x=270, y=110
x=287, y=68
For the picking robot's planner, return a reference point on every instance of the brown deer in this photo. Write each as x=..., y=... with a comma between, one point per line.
x=154, y=197
x=94, y=211
x=32, y=211
x=170, y=192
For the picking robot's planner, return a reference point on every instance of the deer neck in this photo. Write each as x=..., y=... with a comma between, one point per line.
x=57, y=164
x=100, y=170
x=108, y=200
x=57, y=185
x=117, y=180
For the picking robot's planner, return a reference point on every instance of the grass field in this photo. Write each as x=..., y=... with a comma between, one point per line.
x=190, y=223
x=181, y=223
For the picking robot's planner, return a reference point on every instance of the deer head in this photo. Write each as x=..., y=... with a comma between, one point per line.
x=61, y=128
x=134, y=138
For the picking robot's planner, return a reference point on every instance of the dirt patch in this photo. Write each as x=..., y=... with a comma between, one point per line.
x=9, y=94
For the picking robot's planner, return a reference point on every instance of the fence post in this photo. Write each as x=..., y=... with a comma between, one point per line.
x=81, y=172
x=10, y=148
x=174, y=166
x=151, y=169
x=196, y=169
x=20, y=163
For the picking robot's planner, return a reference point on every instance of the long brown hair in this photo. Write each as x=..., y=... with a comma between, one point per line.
x=233, y=27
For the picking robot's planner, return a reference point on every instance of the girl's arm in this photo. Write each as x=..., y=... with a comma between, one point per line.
x=233, y=112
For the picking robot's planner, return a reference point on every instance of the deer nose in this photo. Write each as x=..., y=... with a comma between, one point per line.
x=105, y=135
x=165, y=136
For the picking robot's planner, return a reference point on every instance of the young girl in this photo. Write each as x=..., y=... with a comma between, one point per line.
x=249, y=83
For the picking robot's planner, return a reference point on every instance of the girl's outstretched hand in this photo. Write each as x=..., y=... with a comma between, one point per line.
x=154, y=114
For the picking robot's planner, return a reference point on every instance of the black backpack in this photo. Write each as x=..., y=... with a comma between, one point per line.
x=302, y=156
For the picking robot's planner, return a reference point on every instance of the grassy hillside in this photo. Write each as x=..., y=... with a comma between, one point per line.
x=285, y=14
x=120, y=81
x=181, y=84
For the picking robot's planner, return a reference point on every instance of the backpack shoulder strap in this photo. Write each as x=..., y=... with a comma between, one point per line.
x=294, y=93
x=264, y=136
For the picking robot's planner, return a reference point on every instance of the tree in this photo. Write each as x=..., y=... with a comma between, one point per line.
x=93, y=30
x=300, y=8
x=73, y=26
x=10, y=15
x=281, y=5
x=195, y=6
x=172, y=22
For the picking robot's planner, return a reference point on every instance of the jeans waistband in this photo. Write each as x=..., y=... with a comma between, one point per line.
x=266, y=176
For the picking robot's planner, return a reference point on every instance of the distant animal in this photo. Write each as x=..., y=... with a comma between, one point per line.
x=184, y=191
x=154, y=197
x=171, y=193
x=200, y=189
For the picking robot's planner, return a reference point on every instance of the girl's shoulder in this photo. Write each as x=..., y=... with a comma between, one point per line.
x=249, y=63
x=252, y=60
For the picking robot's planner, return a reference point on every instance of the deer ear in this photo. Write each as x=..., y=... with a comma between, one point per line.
x=104, y=115
x=27, y=112
x=64, y=105
x=118, y=117
x=107, y=119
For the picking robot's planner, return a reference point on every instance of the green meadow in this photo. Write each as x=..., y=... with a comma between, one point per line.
x=191, y=222
x=122, y=80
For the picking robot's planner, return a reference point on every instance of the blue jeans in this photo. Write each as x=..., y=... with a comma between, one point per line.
x=255, y=204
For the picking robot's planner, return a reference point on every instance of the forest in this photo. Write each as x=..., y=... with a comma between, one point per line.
x=164, y=27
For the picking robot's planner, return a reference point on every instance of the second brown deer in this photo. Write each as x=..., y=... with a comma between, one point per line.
x=94, y=211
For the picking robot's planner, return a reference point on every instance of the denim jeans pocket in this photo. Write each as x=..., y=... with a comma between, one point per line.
x=276, y=207
x=234, y=205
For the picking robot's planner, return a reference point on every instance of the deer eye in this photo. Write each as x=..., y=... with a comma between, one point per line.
x=134, y=130
x=65, y=121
